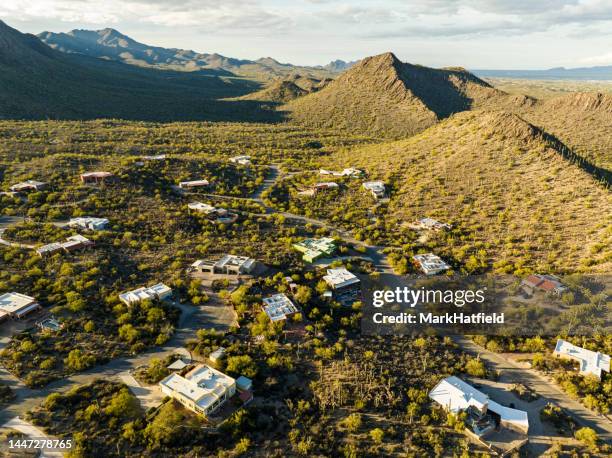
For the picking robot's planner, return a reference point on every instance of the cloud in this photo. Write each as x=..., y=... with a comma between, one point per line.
x=207, y=14
x=603, y=59
x=353, y=19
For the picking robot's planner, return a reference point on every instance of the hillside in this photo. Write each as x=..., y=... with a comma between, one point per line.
x=111, y=44
x=583, y=121
x=287, y=89
x=509, y=188
x=383, y=96
x=37, y=82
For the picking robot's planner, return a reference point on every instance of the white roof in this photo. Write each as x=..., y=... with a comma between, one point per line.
x=278, y=307
x=233, y=260
x=194, y=183
x=346, y=172
x=327, y=184
x=432, y=223
x=430, y=262
x=27, y=184
x=50, y=247
x=218, y=353
x=203, y=385
x=509, y=415
x=16, y=303
x=456, y=395
x=591, y=362
x=374, y=185
x=340, y=277
x=86, y=221
x=240, y=159
x=178, y=365
x=144, y=293
x=78, y=238
x=201, y=207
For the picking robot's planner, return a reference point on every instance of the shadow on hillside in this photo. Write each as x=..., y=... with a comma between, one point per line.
x=434, y=88
x=602, y=175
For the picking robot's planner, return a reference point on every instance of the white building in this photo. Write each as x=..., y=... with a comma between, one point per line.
x=348, y=172
x=217, y=355
x=158, y=291
x=193, y=184
x=229, y=264
x=430, y=264
x=216, y=214
x=17, y=305
x=201, y=207
x=456, y=396
x=158, y=157
x=591, y=362
x=377, y=188
x=72, y=243
x=28, y=185
x=242, y=160
x=430, y=224
x=202, y=390
x=89, y=222
x=345, y=285
x=279, y=307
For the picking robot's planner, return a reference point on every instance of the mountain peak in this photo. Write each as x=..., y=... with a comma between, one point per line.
x=382, y=94
x=387, y=58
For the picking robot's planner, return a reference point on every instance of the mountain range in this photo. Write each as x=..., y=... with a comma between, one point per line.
x=600, y=73
x=379, y=96
x=38, y=82
x=113, y=45
x=386, y=97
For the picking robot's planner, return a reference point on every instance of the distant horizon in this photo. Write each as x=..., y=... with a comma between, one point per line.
x=475, y=34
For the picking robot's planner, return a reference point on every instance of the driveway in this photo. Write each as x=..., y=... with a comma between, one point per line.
x=512, y=373
x=32, y=432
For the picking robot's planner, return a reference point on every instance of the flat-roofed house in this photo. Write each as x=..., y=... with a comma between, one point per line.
x=201, y=207
x=348, y=172
x=217, y=355
x=49, y=249
x=193, y=184
x=96, y=177
x=242, y=160
x=430, y=224
x=202, y=390
x=89, y=222
x=591, y=362
x=545, y=283
x=28, y=185
x=76, y=242
x=155, y=292
x=430, y=264
x=216, y=214
x=345, y=285
x=72, y=243
x=279, y=307
x=455, y=396
x=229, y=264
x=17, y=305
x=377, y=188
x=158, y=157
x=313, y=249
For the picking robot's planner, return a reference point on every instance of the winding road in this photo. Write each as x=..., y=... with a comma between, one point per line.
x=191, y=321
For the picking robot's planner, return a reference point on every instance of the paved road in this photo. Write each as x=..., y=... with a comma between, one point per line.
x=32, y=432
x=511, y=373
x=192, y=319
x=546, y=388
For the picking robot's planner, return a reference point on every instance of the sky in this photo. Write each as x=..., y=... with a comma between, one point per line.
x=476, y=34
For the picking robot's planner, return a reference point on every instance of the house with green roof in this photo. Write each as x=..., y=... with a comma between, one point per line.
x=313, y=249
